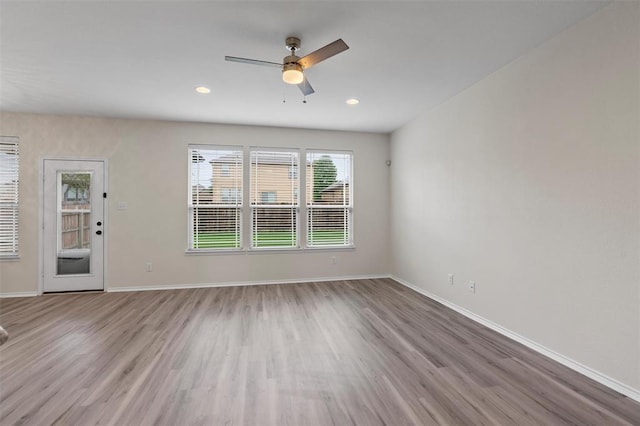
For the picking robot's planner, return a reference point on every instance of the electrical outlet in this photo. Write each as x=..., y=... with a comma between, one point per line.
x=334, y=260
x=149, y=267
x=472, y=286
x=450, y=279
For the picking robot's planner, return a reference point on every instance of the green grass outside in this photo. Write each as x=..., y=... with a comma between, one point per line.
x=266, y=239
x=216, y=240
x=274, y=239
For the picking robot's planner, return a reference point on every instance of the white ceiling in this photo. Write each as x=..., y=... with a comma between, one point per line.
x=141, y=59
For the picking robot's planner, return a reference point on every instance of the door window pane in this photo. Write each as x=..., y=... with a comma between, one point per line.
x=74, y=223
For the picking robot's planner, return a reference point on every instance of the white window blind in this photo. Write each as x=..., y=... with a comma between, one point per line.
x=8, y=196
x=215, y=200
x=274, y=199
x=329, y=199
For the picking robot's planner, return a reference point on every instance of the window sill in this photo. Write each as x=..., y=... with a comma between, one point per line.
x=10, y=258
x=332, y=248
x=267, y=250
x=271, y=250
x=219, y=252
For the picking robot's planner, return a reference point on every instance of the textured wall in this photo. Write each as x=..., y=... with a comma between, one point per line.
x=147, y=168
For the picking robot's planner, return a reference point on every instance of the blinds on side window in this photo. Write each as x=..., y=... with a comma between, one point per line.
x=9, y=164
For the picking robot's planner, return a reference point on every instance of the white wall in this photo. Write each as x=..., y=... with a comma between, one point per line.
x=528, y=183
x=148, y=169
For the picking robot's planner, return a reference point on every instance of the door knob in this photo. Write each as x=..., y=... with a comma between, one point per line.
x=99, y=223
x=98, y=232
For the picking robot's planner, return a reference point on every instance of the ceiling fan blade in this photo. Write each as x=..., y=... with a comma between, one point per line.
x=305, y=87
x=323, y=53
x=253, y=61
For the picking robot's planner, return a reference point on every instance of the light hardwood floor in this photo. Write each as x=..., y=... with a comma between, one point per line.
x=367, y=352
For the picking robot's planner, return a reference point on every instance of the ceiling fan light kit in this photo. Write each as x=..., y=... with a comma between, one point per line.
x=293, y=67
x=292, y=73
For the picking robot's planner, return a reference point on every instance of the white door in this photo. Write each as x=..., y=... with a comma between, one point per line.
x=73, y=228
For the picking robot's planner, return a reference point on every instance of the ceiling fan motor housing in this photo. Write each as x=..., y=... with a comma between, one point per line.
x=287, y=66
x=291, y=59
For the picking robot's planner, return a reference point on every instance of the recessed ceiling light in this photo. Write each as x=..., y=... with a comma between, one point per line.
x=203, y=90
x=352, y=101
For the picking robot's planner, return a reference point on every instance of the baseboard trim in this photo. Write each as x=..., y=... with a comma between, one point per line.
x=246, y=283
x=558, y=357
x=18, y=294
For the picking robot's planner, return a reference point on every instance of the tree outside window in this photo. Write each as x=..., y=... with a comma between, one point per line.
x=324, y=175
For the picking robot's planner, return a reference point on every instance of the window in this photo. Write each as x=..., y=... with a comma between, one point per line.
x=329, y=199
x=8, y=196
x=217, y=197
x=215, y=202
x=274, y=200
x=268, y=197
x=75, y=189
x=71, y=194
x=230, y=195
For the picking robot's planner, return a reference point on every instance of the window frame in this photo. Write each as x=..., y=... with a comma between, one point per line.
x=269, y=195
x=295, y=207
x=230, y=195
x=238, y=206
x=349, y=208
x=246, y=207
x=12, y=207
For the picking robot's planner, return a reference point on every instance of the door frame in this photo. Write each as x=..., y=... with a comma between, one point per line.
x=41, y=246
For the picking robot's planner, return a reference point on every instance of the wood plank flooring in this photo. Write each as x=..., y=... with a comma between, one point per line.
x=367, y=352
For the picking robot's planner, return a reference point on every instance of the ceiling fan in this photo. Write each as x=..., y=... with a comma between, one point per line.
x=293, y=67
